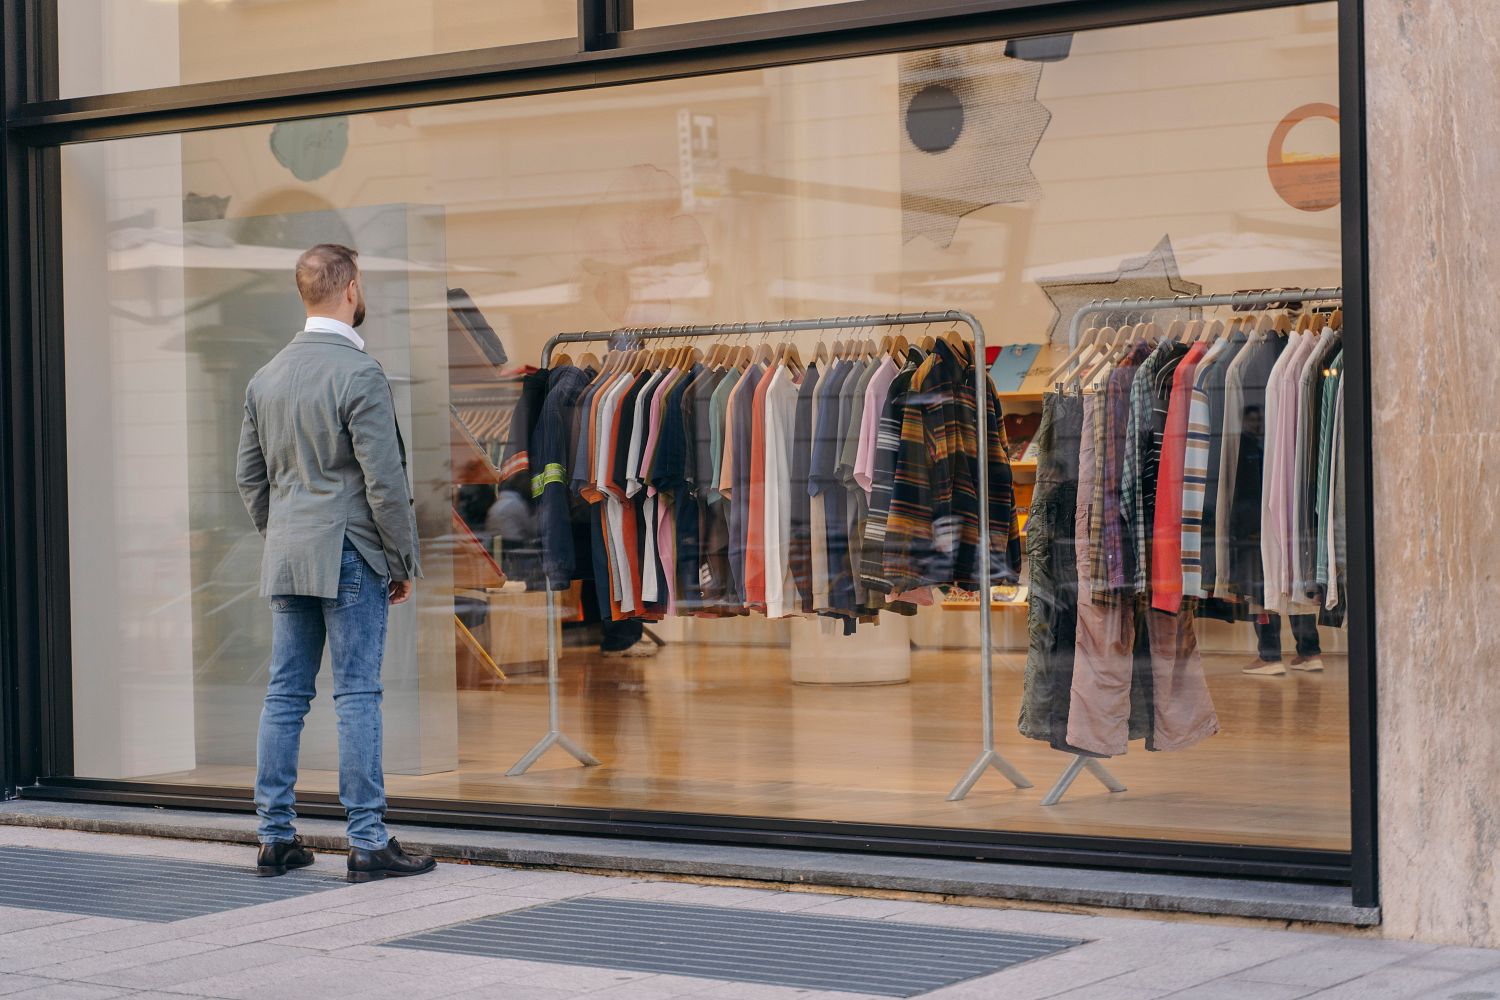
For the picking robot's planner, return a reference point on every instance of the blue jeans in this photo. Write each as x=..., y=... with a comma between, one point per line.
x=353, y=624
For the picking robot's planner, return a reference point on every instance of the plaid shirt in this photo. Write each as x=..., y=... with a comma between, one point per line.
x=1095, y=400
x=921, y=533
x=1107, y=538
x=1139, y=428
x=1005, y=520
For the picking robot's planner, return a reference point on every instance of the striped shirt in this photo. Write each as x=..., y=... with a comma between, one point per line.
x=887, y=445
x=1195, y=472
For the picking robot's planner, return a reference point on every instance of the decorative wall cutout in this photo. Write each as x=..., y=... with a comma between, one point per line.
x=970, y=123
x=310, y=149
x=1306, y=181
x=1153, y=274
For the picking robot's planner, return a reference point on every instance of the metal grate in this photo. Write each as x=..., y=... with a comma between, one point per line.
x=878, y=957
x=136, y=888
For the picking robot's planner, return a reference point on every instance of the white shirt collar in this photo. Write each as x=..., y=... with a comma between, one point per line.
x=327, y=324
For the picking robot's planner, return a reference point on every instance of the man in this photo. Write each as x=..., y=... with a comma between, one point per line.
x=322, y=470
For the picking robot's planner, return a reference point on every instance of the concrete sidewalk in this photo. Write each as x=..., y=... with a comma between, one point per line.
x=324, y=945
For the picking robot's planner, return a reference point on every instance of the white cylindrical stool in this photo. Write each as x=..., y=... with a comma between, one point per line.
x=875, y=654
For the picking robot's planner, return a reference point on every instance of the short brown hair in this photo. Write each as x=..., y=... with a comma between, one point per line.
x=324, y=271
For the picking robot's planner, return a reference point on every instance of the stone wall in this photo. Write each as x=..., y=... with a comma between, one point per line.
x=1433, y=79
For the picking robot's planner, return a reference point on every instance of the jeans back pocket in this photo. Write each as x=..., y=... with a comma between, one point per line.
x=351, y=579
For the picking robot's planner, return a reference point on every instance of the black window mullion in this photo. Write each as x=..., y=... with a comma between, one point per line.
x=606, y=51
x=601, y=21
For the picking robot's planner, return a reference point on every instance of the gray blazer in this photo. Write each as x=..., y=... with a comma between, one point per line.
x=320, y=458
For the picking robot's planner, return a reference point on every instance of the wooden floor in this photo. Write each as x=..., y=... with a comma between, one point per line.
x=722, y=730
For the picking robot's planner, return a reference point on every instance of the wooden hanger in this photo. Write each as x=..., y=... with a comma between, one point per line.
x=960, y=347
x=562, y=359
x=1073, y=357
x=820, y=353
x=1215, y=328
x=1336, y=319
x=792, y=358
x=898, y=349
x=1098, y=351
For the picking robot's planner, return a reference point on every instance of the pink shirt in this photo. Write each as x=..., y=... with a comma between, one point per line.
x=876, y=394
x=663, y=387
x=1280, y=473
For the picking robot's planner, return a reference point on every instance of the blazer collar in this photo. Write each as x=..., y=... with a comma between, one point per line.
x=322, y=337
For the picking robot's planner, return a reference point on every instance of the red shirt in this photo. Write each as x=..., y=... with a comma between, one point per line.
x=1166, y=530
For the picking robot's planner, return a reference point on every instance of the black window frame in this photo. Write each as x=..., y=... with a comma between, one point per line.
x=35, y=623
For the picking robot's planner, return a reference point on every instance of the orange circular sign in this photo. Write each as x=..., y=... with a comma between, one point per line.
x=1306, y=182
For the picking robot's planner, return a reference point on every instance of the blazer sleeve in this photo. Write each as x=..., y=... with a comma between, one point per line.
x=250, y=471
x=370, y=416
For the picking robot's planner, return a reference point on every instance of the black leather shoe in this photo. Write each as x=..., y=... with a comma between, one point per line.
x=388, y=862
x=275, y=859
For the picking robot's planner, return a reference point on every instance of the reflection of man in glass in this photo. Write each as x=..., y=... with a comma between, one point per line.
x=322, y=469
x=1268, y=624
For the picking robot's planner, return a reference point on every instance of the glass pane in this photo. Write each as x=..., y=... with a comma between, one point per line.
x=656, y=13
x=1018, y=184
x=106, y=46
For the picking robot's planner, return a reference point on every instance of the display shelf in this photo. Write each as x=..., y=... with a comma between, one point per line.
x=1019, y=397
x=974, y=605
x=470, y=463
x=965, y=601
x=1023, y=467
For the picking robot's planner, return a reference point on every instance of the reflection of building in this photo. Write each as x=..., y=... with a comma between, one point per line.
x=564, y=209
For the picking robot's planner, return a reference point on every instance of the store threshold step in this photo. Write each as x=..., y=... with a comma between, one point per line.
x=956, y=879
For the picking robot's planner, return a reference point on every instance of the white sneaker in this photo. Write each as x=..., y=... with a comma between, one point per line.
x=1262, y=668
x=1311, y=664
x=641, y=649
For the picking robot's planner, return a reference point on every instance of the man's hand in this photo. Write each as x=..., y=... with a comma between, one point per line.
x=400, y=591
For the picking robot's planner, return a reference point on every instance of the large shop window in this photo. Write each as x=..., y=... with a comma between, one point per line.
x=793, y=517
x=108, y=46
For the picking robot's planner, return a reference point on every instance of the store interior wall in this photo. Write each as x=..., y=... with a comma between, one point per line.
x=1433, y=119
x=130, y=538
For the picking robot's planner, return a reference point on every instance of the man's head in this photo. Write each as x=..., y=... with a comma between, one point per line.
x=328, y=281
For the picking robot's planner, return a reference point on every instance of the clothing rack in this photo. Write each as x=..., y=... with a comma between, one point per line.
x=1269, y=297
x=1243, y=300
x=988, y=755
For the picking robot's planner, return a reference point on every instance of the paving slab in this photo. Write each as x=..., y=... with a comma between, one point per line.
x=332, y=945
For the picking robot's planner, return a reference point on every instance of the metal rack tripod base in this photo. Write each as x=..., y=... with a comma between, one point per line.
x=555, y=736
x=1076, y=766
x=987, y=759
x=546, y=743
